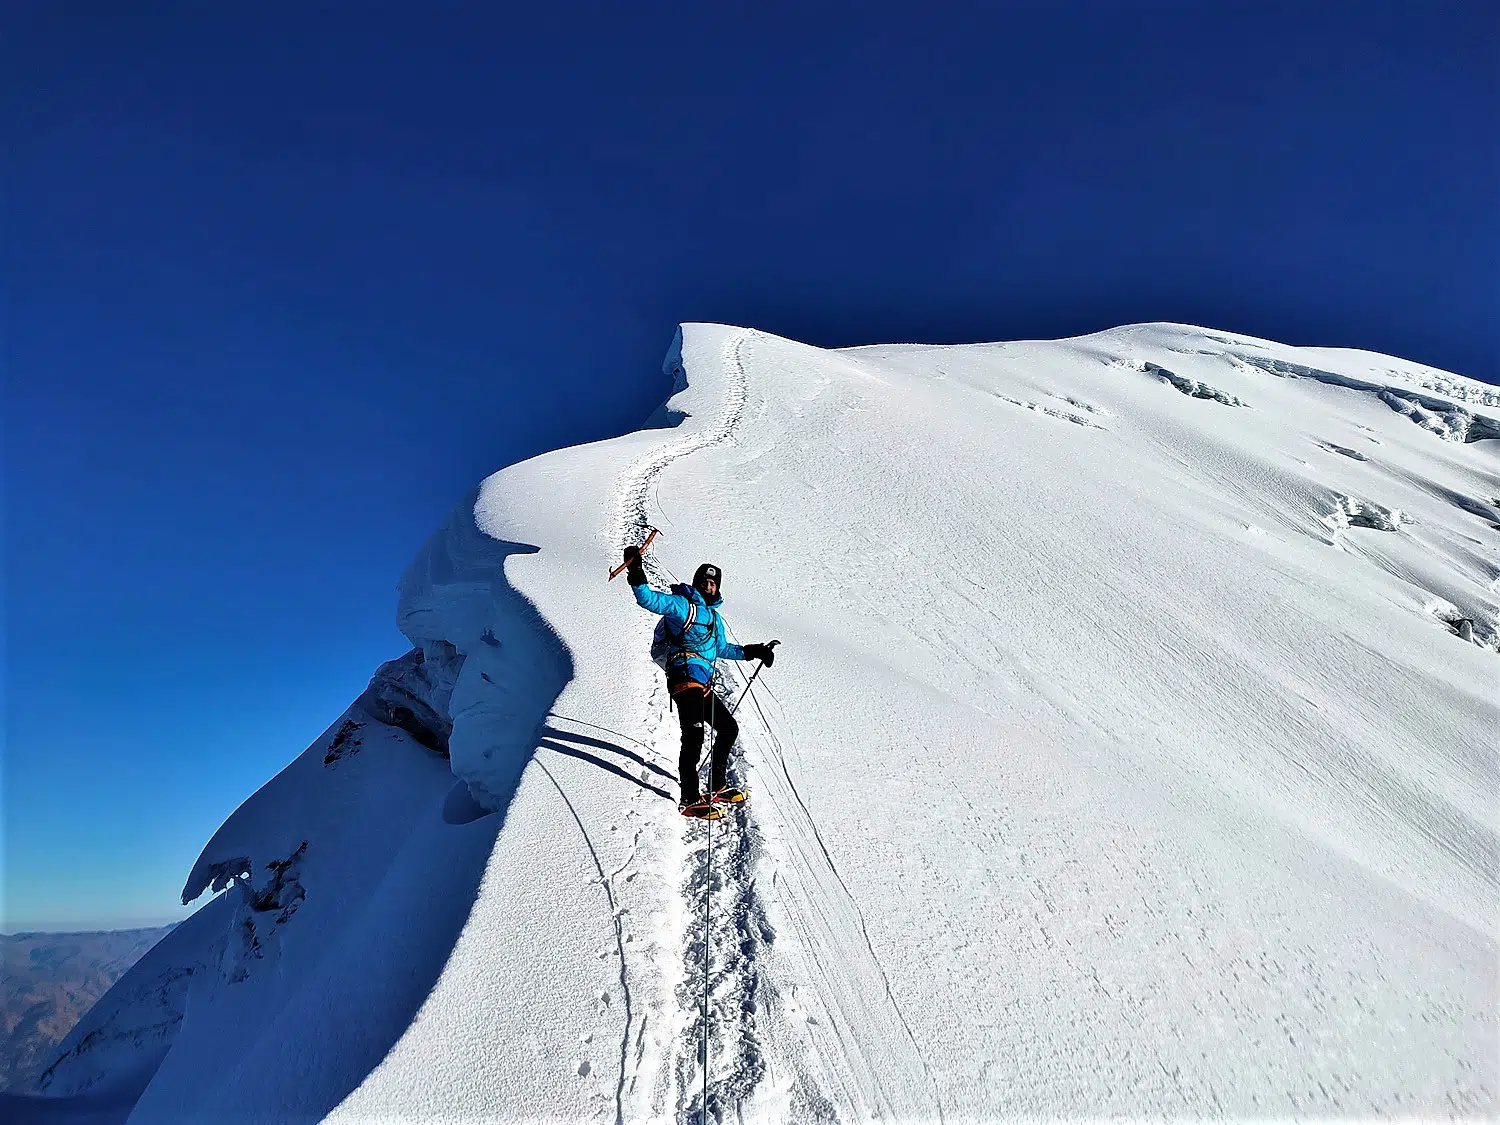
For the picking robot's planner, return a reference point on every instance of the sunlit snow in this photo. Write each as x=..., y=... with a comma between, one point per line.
x=1130, y=751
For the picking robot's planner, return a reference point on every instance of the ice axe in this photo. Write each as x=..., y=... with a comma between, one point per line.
x=619, y=570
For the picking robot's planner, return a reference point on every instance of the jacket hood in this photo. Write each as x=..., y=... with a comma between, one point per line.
x=692, y=594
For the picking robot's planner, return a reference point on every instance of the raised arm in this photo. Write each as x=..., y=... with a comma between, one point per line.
x=667, y=605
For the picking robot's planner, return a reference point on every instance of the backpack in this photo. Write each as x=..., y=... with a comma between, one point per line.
x=667, y=642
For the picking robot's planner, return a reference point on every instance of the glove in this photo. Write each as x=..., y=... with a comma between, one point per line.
x=635, y=573
x=764, y=653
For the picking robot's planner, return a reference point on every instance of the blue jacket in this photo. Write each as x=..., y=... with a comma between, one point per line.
x=687, y=651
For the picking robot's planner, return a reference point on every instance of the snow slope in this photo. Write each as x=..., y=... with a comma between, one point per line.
x=1131, y=751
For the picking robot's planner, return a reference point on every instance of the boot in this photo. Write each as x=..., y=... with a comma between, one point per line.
x=702, y=809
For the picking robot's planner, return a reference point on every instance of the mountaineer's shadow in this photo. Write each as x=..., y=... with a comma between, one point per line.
x=559, y=740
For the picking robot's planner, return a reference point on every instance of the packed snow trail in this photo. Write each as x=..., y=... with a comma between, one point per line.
x=740, y=931
x=1130, y=752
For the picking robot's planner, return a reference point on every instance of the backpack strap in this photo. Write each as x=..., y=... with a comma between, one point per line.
x=677, y=661
x=692, y=619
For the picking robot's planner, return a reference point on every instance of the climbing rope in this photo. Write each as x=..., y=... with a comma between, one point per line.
x=708, y=892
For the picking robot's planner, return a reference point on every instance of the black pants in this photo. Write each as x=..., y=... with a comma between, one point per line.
x=698, y=710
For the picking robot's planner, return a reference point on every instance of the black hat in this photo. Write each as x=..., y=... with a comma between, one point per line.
x=704, y=573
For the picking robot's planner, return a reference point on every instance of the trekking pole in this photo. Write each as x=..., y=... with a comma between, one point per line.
x=624, y=566
x=759, y=665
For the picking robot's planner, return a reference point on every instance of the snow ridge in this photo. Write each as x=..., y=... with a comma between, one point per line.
x=1134, y=769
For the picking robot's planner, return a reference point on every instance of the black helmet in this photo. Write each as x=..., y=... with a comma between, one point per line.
x=703, y=574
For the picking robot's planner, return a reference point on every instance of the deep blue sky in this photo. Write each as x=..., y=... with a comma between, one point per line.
x=284, y=280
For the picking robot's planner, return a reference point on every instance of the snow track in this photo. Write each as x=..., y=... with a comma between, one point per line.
x=642, y=478
x=736, y=919
x=841, y=1073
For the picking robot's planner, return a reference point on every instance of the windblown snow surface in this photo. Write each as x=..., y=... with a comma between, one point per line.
x=1130, y=752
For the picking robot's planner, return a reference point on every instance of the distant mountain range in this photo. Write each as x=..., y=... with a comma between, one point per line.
x=50, y=981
